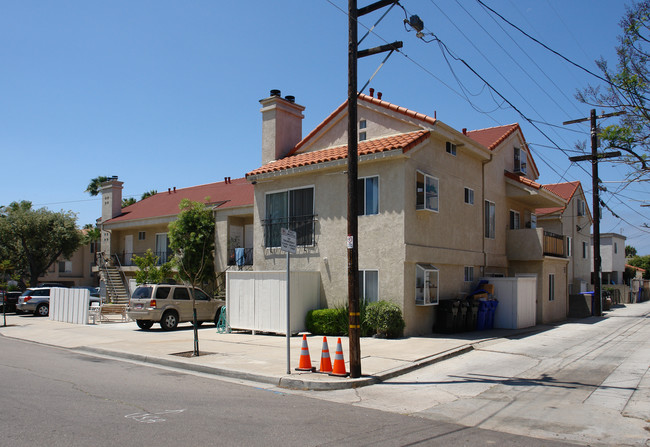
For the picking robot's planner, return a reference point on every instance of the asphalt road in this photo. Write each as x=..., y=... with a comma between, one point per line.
x=56, y=397
x=586, y=381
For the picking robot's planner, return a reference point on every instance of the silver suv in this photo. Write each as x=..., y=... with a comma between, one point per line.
x=169, y=305
x=36, y=301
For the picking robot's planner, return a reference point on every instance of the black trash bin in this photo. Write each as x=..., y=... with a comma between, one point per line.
x=447, y=314
x=461, y=320
x=472, y=314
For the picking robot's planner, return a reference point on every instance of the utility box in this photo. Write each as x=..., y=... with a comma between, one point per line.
x=517, y=302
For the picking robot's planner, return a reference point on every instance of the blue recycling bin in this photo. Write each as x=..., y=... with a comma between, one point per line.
x=491, y=308
x=481, y=317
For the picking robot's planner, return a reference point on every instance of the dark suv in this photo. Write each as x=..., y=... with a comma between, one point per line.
x=9, y=300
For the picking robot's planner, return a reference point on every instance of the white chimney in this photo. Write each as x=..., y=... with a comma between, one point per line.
x=111, y=191
x=281, y=126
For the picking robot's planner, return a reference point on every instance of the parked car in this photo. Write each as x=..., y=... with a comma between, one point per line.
x=169, y=305
x=52, y=284
x=37, y=301
x=9, y=299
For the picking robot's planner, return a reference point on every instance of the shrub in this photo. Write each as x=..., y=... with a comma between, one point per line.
x=334, y=321
x=385, y=319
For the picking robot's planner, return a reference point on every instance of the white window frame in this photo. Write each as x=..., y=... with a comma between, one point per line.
x=421, y=194
x=468, y=275
x=581, y=207
x=426, y=296
x=515, y=220
x=363, y=211
x=520, y=160
x=142, y=235
x=67, y=266
x=362, y=285
x=469, y=196
x=489, y=226
x=451, y=148
x=363, y=134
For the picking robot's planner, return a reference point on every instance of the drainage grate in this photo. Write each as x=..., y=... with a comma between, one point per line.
x=188, y=354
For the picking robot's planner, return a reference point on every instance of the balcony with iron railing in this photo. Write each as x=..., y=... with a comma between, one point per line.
x=304, y=226
x=240, y=256
x=531, y=244
x=126, y=259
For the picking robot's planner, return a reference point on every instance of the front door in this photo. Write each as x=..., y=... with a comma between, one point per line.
x=128, y=249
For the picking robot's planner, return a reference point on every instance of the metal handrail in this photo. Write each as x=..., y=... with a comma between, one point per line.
x=103, y=264
x=122, y=275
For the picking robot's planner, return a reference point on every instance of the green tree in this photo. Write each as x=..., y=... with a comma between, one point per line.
x=150, y=270
x=191, y=238
x=128, y=202
x=153, y=192
x=627, y=89
x=630, y=251
x=37, y=238
x=95, y=184
x=642, y=262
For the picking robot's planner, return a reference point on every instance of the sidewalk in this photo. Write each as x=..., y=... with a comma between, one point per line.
x=241, y=355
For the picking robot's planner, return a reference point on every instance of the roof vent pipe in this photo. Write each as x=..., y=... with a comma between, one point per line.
x=291, y=99
x=276, y=93
x=372, y=92
x=174, y=189
x=379, y=95
x=169, y=190
x=464, y=130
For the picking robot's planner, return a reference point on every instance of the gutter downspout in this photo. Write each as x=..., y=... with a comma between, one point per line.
x=483, y=214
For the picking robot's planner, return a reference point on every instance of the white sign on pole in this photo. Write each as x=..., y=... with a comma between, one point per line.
x=288, y=241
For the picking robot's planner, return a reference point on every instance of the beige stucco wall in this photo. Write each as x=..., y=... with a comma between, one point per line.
x=80, y=274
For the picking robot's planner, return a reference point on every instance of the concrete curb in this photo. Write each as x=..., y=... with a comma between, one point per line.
x=286, y=381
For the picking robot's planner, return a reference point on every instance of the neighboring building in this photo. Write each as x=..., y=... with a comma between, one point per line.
x=574, y=222
x=76, y=271
x=132, y=230
x=438, y=208
x=612, y=257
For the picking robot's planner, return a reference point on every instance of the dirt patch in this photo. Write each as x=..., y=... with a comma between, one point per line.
x=189, y=354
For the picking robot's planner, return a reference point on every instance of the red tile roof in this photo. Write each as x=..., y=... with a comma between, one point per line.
x=524, y=180
x=403, y=142
x=564, y=190
x=492, y=136
x=239, y=192
x=385, y=104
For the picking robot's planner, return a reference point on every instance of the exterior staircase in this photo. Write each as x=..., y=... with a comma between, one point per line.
x=116, y=288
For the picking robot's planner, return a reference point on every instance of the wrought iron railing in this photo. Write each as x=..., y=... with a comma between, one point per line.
x=304, y=226
x=126, y=259
x=240, y=256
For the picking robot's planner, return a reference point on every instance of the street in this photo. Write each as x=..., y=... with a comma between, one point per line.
x=586, y=381
x=56, y=397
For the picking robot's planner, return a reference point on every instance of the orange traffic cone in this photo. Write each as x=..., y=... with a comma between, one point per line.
x=325, y=362
x=305, y=360
x=339, y=362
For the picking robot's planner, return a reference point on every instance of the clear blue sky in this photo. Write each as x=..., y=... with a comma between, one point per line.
x=165, y=93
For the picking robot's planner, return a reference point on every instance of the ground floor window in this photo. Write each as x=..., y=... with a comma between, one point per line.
x=426, y=285
x=469, y=274
x=369, y=285
x=551, y=287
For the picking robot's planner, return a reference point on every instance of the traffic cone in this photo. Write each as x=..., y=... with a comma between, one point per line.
x=325, y=362
x=305, y=360
x=339, y=362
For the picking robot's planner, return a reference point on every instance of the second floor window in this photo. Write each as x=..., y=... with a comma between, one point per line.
x=293, y=209
x=469, y=196
x=426, y=192
x=368, y=195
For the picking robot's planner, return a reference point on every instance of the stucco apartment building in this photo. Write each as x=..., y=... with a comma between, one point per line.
x=439, y=208
x=144, y=225
x=76, y=271
x=612, y=256
x=574, y=222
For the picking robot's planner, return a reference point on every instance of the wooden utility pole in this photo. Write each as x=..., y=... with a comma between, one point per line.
x=594, y=157
x=353, y=157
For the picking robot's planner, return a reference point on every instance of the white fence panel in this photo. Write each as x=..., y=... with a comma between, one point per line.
x=69, y=305
x=256, y=301
x=517, y=308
